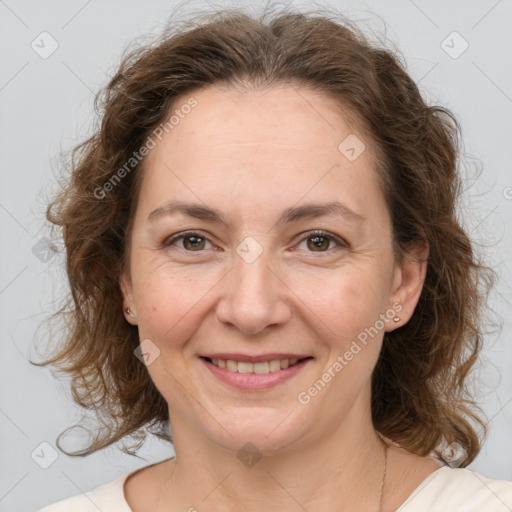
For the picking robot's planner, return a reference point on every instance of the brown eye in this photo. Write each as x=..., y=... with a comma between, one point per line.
x=192, y=242
x=321, y=241
x=318, y=243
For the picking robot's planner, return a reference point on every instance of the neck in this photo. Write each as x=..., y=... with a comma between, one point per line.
x=341, y=471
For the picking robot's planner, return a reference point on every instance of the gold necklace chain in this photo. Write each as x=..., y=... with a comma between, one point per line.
x=164, y=488
x=386, y=446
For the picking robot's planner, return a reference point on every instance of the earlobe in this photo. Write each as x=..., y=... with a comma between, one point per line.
x=127, y=294
x=409, y=280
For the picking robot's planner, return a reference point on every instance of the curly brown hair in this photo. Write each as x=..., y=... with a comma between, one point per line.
x=419, y=386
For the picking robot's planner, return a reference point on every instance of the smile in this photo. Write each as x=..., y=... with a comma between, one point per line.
x=260, y=373
x=260, y=368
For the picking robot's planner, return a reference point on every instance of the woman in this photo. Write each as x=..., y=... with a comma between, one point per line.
x=263, y=250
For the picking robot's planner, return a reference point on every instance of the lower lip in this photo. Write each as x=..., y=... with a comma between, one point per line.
x=255, y=381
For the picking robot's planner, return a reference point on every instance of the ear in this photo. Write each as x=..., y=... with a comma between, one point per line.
x=129, y=311
x=408, y=283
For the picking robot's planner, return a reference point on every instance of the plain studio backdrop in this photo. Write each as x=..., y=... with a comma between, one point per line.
x=55, y=55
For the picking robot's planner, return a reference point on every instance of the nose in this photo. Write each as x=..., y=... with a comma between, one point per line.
x=254, y=297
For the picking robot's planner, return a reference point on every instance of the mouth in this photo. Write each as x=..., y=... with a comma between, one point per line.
x=260, y=368
x=255, y=372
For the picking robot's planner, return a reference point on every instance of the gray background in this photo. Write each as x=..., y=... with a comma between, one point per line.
x=46, y=106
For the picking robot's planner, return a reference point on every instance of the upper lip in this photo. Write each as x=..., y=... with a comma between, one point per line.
x=254, y=359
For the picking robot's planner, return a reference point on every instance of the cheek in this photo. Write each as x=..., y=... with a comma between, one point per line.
x=168, y=314
x=351, y=310
x=161, y=306
x=169, y=304
x=346, y=300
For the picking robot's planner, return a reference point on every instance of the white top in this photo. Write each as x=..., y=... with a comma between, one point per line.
x=445, y=490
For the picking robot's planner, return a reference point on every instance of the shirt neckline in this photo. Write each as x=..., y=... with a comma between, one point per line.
x=420, y=487
x=120, y=481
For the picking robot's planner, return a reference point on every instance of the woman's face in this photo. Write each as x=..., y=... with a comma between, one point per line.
x=229, y=261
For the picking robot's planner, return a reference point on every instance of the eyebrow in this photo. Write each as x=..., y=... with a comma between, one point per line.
x=293, y=214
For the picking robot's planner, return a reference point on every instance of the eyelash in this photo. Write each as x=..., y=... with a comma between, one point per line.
x=310, y=234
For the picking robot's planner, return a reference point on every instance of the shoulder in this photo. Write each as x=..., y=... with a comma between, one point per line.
x=107, y=497
x=459, y=490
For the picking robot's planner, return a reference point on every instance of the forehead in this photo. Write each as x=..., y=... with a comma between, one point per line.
x=276, y=116
x=282, y=143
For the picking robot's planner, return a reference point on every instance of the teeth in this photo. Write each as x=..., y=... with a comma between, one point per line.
x=244, y=367
x=274, y=365
x=232, y=366
x=261, y=368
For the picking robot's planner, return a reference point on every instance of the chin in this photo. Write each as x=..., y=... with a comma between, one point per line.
x=270, y=431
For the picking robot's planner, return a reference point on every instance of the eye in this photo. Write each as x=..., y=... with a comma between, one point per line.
x=191, y=241
x=316, y=241
x=319, y=241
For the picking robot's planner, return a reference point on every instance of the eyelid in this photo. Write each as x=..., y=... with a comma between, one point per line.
x=184, y=234
x=325, y=234
x=300, y=238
